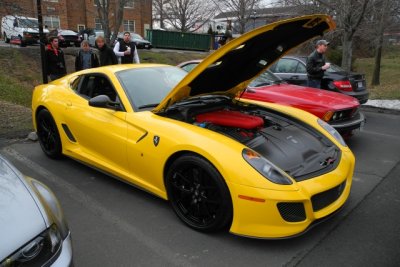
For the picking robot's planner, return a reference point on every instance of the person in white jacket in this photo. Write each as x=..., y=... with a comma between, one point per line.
x=126, y=50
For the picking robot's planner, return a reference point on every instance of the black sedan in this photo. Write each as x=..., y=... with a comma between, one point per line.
x=293, y=70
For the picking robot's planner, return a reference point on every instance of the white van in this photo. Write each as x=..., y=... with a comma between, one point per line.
x=20, y=27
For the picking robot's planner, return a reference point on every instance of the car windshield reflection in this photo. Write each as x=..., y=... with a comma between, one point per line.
x=147, y=87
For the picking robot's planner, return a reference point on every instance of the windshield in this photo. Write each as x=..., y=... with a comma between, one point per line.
x=147, y=87
x=28, y=23
x=267, y=78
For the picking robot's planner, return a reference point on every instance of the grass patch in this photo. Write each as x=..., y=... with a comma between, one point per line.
x=389, y=87
x=18, y=76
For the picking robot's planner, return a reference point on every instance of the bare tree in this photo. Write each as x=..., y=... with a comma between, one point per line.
x=160, y=10
x=347, y=13
x=104, y=10
x=243, y=11
x=188, y=15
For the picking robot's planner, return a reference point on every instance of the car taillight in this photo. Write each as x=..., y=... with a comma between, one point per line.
x=343, y=85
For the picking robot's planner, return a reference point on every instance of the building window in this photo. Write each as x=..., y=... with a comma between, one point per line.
x=52, y=22
x=81, y=27
x=129, y=25
x=50, y=9
x=129, y=4
x=97, y=24
x=55, y=1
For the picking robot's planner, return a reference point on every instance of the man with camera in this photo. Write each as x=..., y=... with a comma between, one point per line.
x=126, y=50
x=316, y=65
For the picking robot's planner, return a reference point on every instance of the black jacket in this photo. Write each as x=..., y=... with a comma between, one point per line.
x=55, y=62
x=107, y=56
x=93, y=60
x=123, y=47
x=315, y=61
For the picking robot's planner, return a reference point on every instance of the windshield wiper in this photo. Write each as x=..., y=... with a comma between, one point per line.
x=148, y=106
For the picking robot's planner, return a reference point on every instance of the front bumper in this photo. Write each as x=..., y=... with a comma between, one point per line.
x=285, y=214
x=357, y=122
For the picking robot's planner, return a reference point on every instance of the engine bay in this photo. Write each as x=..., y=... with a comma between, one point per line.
x=298, y=149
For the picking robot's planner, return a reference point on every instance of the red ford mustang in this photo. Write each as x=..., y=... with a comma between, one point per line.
x=339, y=110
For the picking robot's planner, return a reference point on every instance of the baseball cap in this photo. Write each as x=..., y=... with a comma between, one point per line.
x=322, y=42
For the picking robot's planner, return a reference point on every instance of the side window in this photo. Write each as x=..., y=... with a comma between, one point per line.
x=285, y=65
x=301, y=68
x=75, y=83
x=94, y=85
x=189, y=67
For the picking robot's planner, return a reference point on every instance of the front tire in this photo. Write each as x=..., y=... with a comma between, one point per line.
x=198, y=194
x=48, y=135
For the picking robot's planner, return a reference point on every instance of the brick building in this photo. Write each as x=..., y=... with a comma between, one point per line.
x=81, y=14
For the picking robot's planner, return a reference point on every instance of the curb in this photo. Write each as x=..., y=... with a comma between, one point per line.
x=380, y=109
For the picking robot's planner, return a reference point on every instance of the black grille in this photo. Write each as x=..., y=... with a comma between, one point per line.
x=292, y=211
x=321, y=200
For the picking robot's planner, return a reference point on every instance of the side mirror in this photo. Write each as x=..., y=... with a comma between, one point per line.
x=103, y=101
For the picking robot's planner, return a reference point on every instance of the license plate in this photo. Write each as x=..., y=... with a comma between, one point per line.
x=360, y=84
x=146, y=46
x=71, y=43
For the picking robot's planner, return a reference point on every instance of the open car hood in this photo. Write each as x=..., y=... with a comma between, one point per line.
x=230, y=69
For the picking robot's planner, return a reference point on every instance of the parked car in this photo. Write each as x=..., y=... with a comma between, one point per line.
x=339, y=110
x=24, y=29
x=293, y=70
x=32, y=227
x=260, y=169
x=139, y=41
x=92, y=36
x=67, y=37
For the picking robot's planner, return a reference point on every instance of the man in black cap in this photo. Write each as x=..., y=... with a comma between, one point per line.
x=316, y=65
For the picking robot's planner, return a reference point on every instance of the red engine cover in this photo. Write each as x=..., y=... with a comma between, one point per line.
x=231, y=119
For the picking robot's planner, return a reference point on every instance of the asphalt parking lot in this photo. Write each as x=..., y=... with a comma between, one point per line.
x=114, y=224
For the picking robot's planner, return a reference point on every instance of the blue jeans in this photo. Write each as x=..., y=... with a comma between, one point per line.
x=314, y=83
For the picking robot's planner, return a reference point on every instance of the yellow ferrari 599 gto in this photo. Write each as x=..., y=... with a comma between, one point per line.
x=258, y=169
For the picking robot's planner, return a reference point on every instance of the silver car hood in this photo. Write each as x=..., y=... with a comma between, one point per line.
x=20, y=217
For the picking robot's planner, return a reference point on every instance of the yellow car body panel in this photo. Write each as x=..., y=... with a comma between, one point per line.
x=139, y=147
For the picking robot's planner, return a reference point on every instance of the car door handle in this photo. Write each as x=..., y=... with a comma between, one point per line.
x=294, y=77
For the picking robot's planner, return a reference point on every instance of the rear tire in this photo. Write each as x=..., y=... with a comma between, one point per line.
x=198, y=194
x=48, y=135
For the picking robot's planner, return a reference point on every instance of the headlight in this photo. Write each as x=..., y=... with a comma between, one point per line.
x=332, y=131
x=38, y=252
x=265, y=168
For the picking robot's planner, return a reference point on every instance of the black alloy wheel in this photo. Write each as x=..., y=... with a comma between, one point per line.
x=198, y=194
x=48, y=135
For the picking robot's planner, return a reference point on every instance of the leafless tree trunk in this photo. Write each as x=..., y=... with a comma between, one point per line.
x=350, y=21
x=378, y=49
x=104, y=11
x=160, y=10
